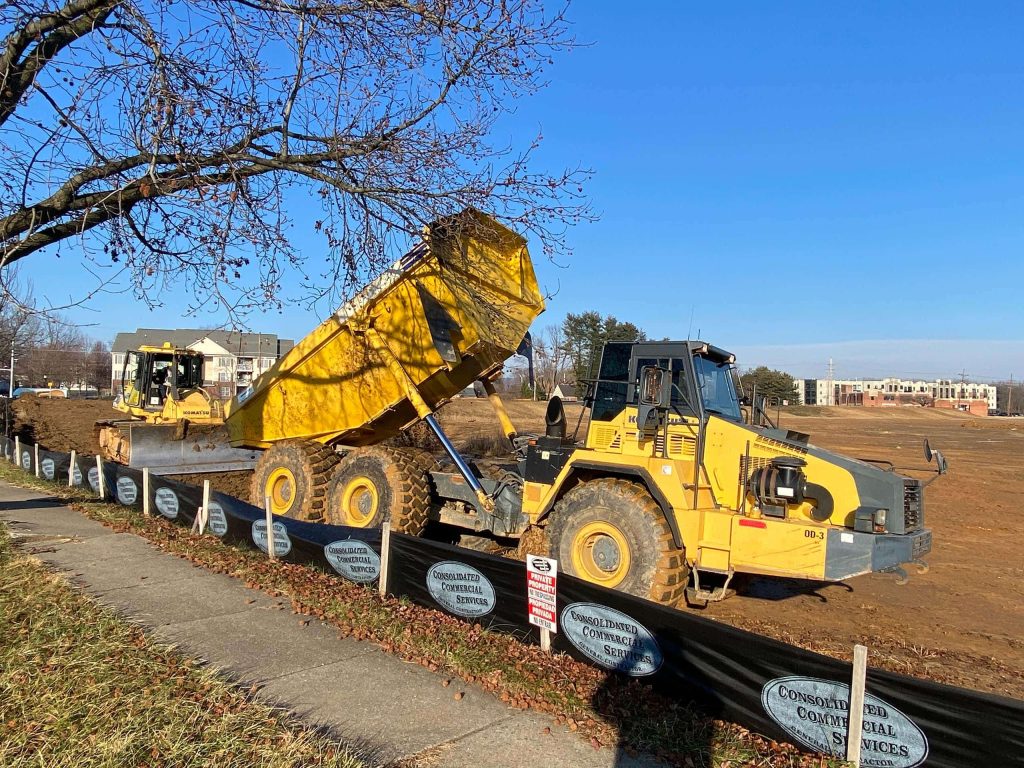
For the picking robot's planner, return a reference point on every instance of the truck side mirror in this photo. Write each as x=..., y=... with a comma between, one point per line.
x=940, y=460
x=654, y=395
x=655, y=387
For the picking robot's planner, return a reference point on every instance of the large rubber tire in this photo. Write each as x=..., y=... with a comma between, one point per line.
x=294, y=473
x=612, y=533
x=381, y=484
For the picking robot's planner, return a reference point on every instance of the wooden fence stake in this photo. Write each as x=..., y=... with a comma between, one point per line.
x=202, y=512
x=545, y=639
x=145, y=492
x=385, y=558
x=856, y=712
x=37, y=459
x=99, y=475
x=17, y=450
x=71, y=469
x=269, y=512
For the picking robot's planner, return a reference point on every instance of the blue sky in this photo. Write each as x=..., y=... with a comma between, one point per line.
x=801, y=177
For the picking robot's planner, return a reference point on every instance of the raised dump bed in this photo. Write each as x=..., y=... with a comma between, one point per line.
x=450, y=312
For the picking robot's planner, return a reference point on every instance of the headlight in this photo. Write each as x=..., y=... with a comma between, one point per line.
x=880, y=520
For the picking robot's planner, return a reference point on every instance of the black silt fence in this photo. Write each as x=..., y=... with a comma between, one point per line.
x=767, y=686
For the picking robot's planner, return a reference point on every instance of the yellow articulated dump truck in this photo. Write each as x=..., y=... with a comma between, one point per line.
x=673, y=489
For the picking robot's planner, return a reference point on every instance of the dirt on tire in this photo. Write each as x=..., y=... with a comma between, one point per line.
x=657, y=569
x=399, y=480
x=310, y=464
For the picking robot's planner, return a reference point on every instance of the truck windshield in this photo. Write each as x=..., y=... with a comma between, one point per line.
x=717, y=390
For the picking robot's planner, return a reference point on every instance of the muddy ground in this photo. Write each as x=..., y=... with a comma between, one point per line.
x=961, y=623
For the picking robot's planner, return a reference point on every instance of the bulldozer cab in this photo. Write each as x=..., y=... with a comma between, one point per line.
x=152, y=375
x=667, y=382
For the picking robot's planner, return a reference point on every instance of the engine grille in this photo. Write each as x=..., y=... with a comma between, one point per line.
x=913, y=506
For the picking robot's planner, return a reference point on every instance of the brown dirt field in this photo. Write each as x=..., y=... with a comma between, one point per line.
x=961, y=623
x=60, y=424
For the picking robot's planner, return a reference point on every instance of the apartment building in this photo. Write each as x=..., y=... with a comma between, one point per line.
x=231, y=359
x=941, y=393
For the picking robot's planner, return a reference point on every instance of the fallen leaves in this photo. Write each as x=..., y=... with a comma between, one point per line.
x=603, y=708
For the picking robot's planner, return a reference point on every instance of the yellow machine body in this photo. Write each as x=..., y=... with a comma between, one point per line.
x=446, y=315
x=717, y=537
x=843, y=518
x=165, y=402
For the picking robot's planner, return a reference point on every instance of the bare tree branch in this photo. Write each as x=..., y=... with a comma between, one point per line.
x=169, y=137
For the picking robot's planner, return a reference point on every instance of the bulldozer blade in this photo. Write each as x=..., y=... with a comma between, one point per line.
x=165, y=451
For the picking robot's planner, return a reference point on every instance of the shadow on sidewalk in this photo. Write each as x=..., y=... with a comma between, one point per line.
x=653, y=728
x=41, y=502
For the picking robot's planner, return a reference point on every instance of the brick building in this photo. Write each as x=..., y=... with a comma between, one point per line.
x=872, y=393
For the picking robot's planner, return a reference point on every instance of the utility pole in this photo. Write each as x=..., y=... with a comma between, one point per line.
x=10, y=384
x=960, y=392
x=830, y=398
x=1009, y=397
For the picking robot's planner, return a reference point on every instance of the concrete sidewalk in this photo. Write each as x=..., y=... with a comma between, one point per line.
x=397, y=710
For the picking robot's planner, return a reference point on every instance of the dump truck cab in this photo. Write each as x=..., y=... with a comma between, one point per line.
x=674, y=487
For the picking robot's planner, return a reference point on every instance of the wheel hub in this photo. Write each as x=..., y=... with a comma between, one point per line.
x=605, y=552
x=280, y=488
x=359, y=502
x=600, y=553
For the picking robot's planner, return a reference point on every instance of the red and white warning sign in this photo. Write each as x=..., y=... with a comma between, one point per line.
x=541, y=578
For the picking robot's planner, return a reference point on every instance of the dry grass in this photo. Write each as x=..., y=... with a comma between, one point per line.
x=80, y=687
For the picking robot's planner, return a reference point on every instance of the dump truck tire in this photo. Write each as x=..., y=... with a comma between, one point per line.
x=295, y=474
x=612, y=533
x=381, y=484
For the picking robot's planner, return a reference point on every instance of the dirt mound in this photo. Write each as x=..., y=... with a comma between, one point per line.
x=60, y=424
x=995, y=423
x=232, y=483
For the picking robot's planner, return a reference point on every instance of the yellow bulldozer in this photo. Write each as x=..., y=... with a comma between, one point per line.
x=173, y=425
x=670, y=491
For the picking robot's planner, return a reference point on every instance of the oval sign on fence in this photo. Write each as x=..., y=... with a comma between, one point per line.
x=216, y=520
x=49, y=470
x=127, y=491
x=166, y=502
x=94, y=479
x=353, y=559
x=815, y=713
x=282, y=544
x=26, y=460
x=611, y=639
x=76, y=475
x=460, y=588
